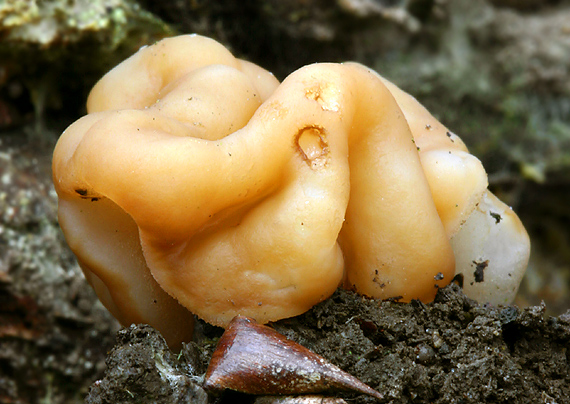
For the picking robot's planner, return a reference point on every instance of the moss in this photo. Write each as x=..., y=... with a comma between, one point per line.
x=50, y=22
x=56, y=49
x=499, y=79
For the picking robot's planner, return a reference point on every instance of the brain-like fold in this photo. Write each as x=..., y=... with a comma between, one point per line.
x=197, y=183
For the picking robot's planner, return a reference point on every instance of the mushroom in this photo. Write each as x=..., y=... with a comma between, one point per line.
x=200, y=184
x=492, y=252
x=489, y=241
x=102, y=235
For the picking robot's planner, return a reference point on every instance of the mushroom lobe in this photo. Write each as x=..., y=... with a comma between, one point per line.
x=255, y=359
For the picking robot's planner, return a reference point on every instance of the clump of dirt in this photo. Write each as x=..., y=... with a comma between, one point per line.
x=453, y=350
x=141, y=369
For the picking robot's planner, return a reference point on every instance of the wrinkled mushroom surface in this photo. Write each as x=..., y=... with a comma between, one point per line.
x=199, y=184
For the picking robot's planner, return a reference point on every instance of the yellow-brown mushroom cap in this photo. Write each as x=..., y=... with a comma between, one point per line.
x=236, y=195
x=103, y=236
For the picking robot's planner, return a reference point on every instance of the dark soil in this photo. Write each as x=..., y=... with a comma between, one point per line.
x=450, y=351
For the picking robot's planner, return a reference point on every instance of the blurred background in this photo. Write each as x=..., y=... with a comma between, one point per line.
x=496, y=72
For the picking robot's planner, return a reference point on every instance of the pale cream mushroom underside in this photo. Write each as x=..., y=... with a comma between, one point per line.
x=197, y=176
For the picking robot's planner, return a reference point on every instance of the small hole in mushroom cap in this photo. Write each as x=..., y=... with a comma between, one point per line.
x=313, y=147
